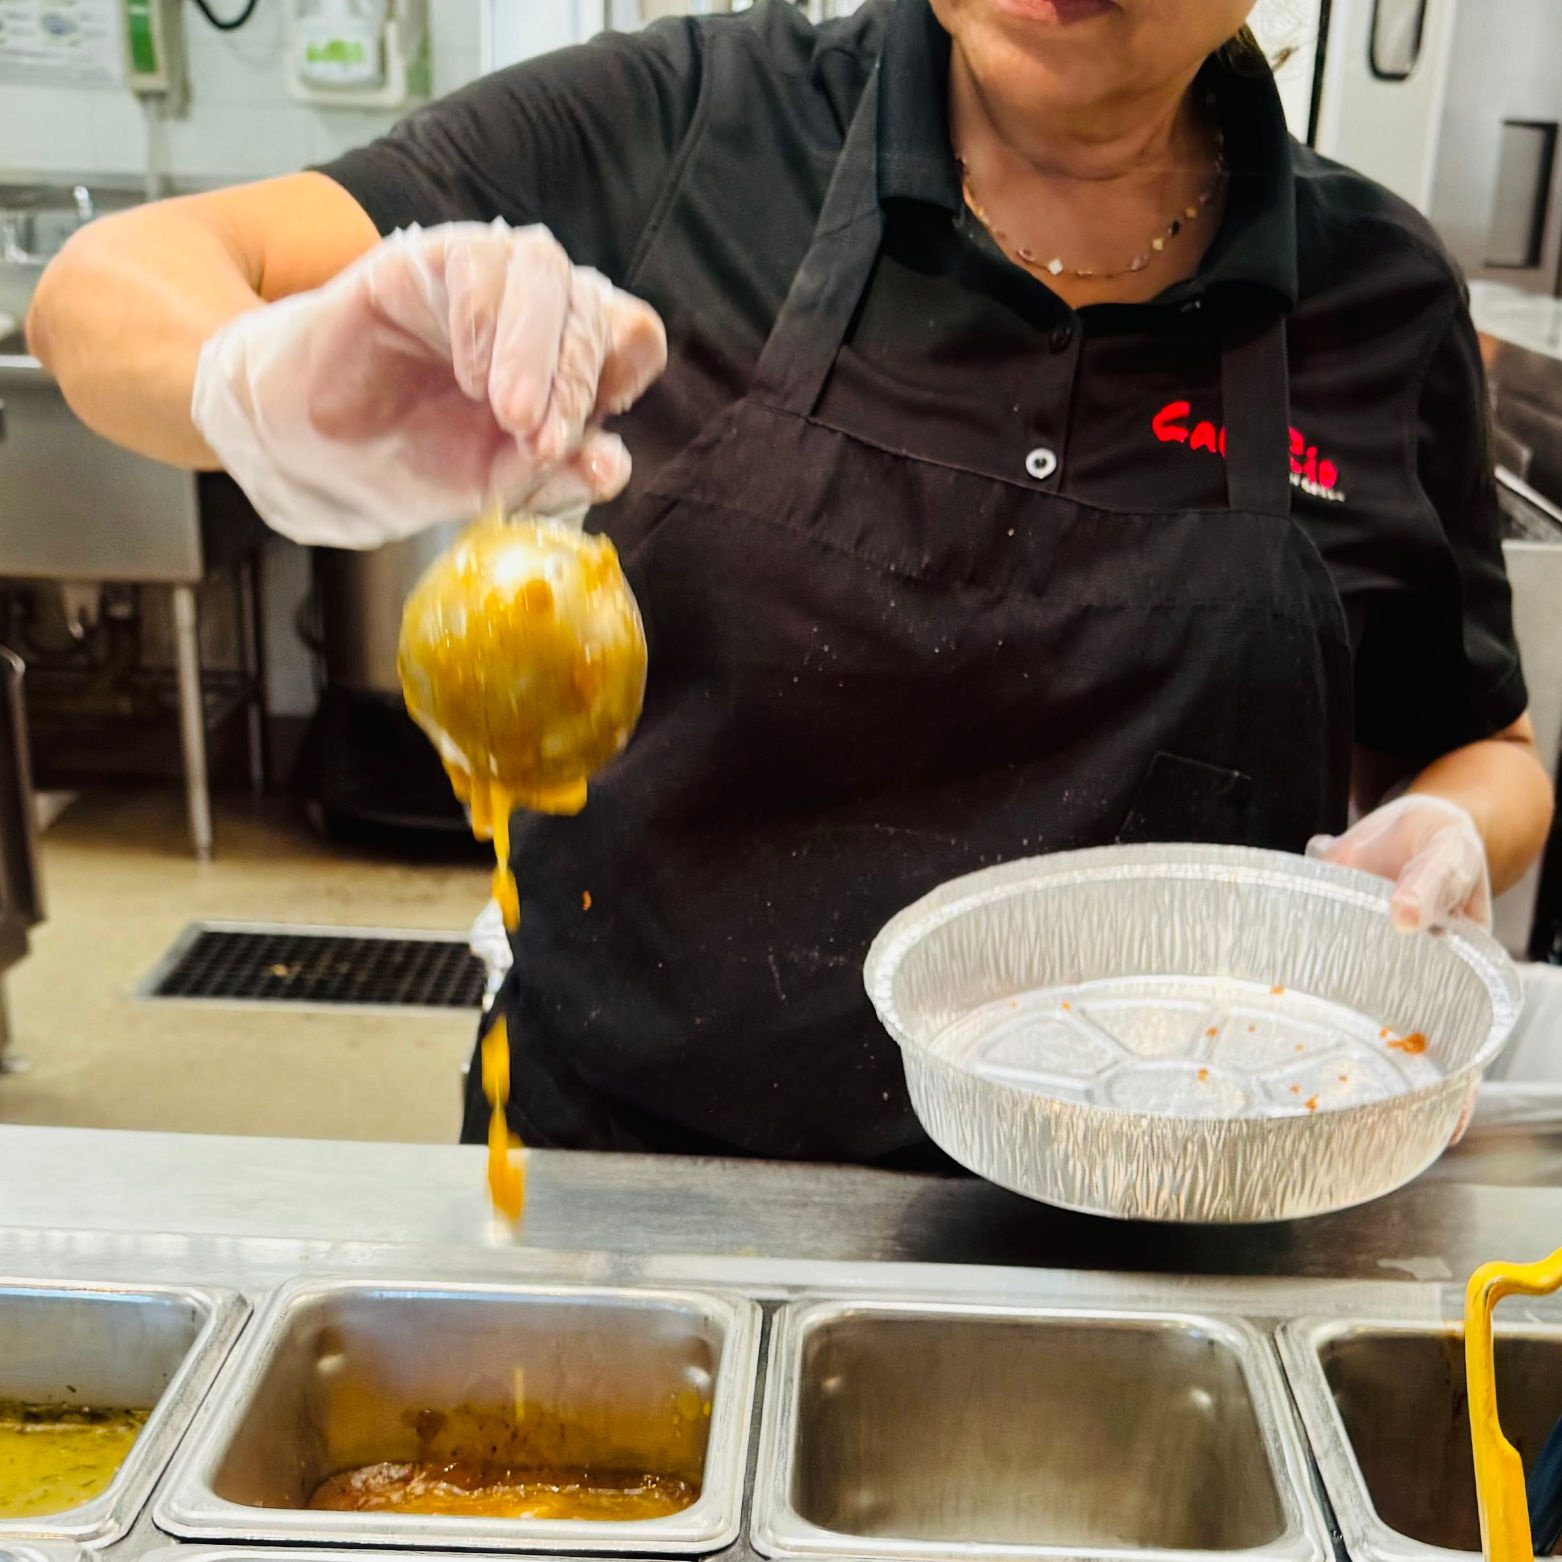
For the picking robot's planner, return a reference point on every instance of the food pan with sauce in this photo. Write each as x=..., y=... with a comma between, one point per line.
x=552, y=1418
x=97, y=1385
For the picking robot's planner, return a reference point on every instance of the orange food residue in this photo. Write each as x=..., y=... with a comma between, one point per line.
x=585, y=900
x=1203, y=1074
x=1296, y=1090
x=1214, y=1030
x=1311, y=1103
x=1068, y=1006
x=1382, y=1033
x=1414, y=1044
x=1276, y=991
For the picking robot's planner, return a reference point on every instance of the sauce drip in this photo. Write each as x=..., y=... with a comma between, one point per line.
x=506, y=1166
x=523, y=657
x=55, y=1457
x=457, y=1487
x=1413, y=1045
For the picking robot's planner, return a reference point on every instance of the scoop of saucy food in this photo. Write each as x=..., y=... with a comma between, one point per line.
x=55, y=1457
x=523, y=657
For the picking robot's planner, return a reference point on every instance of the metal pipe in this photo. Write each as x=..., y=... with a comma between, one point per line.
x=250, y=653
x=192, y=720
x=10, y=1063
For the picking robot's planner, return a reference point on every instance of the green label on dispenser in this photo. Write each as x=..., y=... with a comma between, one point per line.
x=141, y=33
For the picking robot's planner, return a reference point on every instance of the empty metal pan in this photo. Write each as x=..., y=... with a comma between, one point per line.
x=1188, y=1033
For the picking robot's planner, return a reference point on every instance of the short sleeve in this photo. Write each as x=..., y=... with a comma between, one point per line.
x=582, y=140
x=1437, y=665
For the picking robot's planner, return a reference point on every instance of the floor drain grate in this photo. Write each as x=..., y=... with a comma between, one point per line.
x=325, y=967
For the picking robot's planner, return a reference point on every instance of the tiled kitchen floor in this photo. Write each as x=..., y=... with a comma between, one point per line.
x=120, y=885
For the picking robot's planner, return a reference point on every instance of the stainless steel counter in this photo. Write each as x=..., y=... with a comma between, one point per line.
x=1499, y=1194
x=253, y=1215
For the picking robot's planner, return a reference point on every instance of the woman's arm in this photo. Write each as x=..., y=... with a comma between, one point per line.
x=1504, y=788
x=120, y=315
x=1468, y=825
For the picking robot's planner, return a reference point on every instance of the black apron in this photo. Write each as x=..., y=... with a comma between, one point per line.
x=869, y=672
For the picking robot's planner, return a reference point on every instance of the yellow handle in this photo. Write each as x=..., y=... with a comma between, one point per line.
x=1499, y=1472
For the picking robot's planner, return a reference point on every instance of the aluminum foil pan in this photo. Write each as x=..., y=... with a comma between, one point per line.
x=1188, y=1033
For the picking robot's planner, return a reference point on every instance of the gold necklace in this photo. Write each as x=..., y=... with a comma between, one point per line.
x=1056, y=266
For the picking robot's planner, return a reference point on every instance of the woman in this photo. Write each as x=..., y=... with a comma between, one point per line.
x=1049, y=452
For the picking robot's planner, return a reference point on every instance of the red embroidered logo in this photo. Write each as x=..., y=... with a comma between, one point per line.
x=1316, y=476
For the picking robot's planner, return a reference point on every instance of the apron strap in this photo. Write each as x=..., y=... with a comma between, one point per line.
x=1255, y=389
x=829, y=284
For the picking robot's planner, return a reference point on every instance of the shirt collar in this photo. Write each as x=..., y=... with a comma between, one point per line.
x=1257, y=238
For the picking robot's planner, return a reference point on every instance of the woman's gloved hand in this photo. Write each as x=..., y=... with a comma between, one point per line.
x=447, y=370
x=1432, y=851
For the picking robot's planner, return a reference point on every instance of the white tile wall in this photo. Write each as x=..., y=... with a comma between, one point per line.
x=241, y=123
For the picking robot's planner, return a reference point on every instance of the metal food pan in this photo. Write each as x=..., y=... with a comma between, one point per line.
x=1188, y=1033
x=951, y=1432
x=41, y=1551
x=341, y=1374
x=135, y=1347
x=1386, y=1413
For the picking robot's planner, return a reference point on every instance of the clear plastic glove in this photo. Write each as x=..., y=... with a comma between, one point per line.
x=447, y=370
x=1432, y=851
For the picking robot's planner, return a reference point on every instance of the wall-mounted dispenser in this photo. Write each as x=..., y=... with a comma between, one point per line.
x=358, y=53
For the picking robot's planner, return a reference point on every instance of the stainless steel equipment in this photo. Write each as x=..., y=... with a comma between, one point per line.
x=77, y=507
x=1535, y=572
x=364, y=762
x=915, y=1430
x=153, y=1347
x=338, y=1375
x=1385, y=1409
x=361, y=595
x=1187, y=1033
x=101, y=1209
x=1496, y=198
x=21, y=890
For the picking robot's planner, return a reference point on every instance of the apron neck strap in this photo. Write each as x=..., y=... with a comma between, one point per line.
x=829, y=284
x=1255, y=390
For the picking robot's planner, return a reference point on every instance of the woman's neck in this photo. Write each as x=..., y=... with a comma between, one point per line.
x=1121, y=138
x=1090, y=184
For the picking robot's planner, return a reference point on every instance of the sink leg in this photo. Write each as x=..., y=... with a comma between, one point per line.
x=254, y=671
x=10, y=1063
x=192, y=721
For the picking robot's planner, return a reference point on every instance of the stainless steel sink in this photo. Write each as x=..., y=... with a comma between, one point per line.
x=1385, y=1409
x=907, y=1431
x=337, y=1375
x=118, y=1347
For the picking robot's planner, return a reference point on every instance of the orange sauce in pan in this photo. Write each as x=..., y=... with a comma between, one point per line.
x=476, y=1492
x=1414, y=1044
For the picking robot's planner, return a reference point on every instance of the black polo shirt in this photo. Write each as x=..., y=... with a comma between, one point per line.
x=713, y=139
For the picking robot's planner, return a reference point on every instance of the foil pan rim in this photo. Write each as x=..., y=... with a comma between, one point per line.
x=957, y=897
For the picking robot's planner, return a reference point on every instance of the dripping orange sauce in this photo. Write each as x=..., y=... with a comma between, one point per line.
x=491, y=808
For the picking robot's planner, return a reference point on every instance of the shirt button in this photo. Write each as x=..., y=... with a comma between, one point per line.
x=1061, y=339
x=1041, y=463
